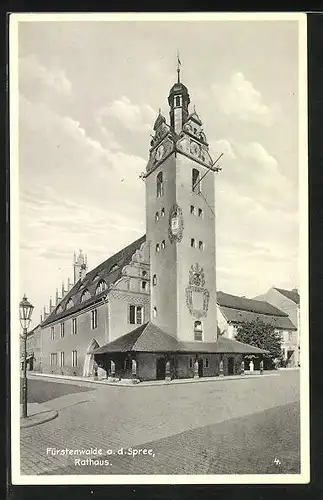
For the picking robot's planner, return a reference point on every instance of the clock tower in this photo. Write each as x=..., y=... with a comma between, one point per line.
x=180, y=222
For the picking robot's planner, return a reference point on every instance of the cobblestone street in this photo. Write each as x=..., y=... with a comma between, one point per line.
x=230, y=426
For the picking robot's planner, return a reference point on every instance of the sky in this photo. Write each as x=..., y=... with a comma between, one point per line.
x=89, y=93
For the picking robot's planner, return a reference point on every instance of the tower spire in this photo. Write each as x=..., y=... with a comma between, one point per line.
x=178, y=68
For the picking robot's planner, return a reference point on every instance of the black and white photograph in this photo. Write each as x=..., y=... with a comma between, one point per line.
x=159, y=269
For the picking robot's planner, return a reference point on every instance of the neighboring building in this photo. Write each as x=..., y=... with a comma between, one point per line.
x=289, y=302
x=110, y=299
x=34, y=339
x=150, y=311
x=234, y=310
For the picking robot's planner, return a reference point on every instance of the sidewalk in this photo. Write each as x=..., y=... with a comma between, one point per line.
x=130, y=383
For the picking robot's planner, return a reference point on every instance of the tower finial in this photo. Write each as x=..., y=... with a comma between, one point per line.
x=178, y=68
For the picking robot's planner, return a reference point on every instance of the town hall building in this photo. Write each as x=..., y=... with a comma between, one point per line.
x=150, y=311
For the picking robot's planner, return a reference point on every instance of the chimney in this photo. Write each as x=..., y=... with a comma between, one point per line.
x=295, y=290
x=45, y=313
x=63, y=289
x=57, y=299
x=51, y=307
x=41, y=318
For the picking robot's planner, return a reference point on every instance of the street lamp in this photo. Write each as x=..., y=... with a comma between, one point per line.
x=25, y=312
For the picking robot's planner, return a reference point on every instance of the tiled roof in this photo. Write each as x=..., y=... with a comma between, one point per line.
x=244, y=304
x=150, y=338
x=290, y=294
x=110, y=271
x=240, y=316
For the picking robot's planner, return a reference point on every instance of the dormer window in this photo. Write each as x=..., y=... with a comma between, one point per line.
x=101, y=287
x=157, y=247
x=69, y=304
x=160, y=185
x=156, y=216
x=85, y=296
x=114, y=268
x=163, y=244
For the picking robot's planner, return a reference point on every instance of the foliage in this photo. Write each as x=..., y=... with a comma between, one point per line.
x=262, y=335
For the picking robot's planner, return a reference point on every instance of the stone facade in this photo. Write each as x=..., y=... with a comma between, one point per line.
x=34, y=349
x=289, y=302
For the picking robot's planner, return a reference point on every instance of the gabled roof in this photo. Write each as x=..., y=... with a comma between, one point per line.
x=244, y=304
x=242, y=310
x=110, y=271
x=290, y=294
x=237, y=316
x=195, y=117
x=150, y=338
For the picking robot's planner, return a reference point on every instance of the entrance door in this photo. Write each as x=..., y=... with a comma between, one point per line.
x=160, y=369
x=200, y=367
x=230, y=366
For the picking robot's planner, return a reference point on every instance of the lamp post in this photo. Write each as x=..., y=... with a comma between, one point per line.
x=25, y=312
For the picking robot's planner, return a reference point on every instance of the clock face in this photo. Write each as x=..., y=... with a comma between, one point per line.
x=159, y=152
x=195, y=148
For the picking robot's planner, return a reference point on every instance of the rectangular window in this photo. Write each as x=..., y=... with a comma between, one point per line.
x=200, y=212
x=74, y=358
x=62, y=359
x=144, y=285
x=52, y=333
x=198, y=335
x=191, y=363
x=206, y=363
x=74, y=326
x=62, y=330
x=94, y=319
x=53, y=359
x=136, y=315
x=192, y=242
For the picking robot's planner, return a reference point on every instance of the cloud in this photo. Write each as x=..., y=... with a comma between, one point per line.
x=38, y=82
x=134, y=117
x=256, y=172
x=238, y=98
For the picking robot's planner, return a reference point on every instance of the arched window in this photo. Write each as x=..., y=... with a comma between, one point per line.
x=156, y=216
x=69, y=304
x=160, y=186
x=198, y=330
x=155, y=312
x=162, y=212
x=85, y=296
x=154, y=280
x=101, y=287
x=163, y=244
x=196, y=185
x=157, y=247
x=144, y=273
x=177, y=100
x=144, y=285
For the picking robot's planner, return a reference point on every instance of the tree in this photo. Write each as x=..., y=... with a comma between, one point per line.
x=262, y=335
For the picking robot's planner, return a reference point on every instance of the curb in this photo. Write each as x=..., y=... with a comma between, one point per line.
x=38, y=418
x=122, y=383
